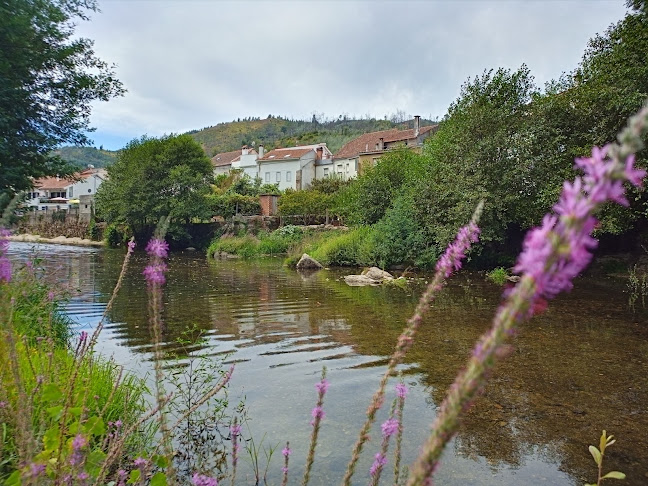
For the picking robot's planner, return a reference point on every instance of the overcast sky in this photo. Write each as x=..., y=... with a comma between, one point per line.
x=189, y=64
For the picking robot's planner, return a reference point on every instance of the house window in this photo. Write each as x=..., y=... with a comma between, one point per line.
x=325, y=171
x=288, y=176
x=278, y=176
x=70, y=191
x=267, y=177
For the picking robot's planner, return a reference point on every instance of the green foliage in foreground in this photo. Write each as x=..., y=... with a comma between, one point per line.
x=51, y=394
x=36, y=310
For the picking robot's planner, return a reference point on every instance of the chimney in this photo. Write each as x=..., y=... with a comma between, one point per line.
x=319, y=152
x=366, y=147
x=417, y=125
x=381, y=144
x=245, y=150
x=261, y=151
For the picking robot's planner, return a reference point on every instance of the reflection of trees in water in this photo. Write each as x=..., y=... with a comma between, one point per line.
x=575, y=370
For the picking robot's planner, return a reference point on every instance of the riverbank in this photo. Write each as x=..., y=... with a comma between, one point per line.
x=59, y=240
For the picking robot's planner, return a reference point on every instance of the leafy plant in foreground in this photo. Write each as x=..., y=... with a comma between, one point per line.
x=599, y=454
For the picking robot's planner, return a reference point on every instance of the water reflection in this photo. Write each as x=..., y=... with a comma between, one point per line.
x=580, y=367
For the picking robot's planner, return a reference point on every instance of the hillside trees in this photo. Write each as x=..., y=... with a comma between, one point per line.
x=49, y=80
x=156, y=177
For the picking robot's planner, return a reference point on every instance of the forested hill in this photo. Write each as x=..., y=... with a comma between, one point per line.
x=84, y=156
x=275, y=132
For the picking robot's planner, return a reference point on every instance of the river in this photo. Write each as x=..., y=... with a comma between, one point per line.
x=580, y=367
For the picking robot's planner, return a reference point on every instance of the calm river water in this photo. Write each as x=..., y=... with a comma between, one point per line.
x=577, y=369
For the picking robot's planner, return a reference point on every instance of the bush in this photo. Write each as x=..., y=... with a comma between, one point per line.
x=309, y=205
x=498, y=275
x=230, y=204
x=349, y=248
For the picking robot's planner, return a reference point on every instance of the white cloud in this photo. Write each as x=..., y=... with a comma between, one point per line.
x=191, y=64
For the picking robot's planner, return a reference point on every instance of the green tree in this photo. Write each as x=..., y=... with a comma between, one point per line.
x=369, y=196
x=479, y=152
x=156, y=177
x=49, y=80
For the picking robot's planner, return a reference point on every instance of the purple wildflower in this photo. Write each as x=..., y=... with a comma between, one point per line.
x=3, y=404
x=318, y=414
x=567, y=233
x=322, y=386
x=131, y=246
x=157, y=248
x=140, y=463
x=78, y=444
x=286, y=451
x=36, y=469
x=83, y=476
x=379, y=461
x=284, y=470
x=154, y=273
x=5, y=264
x=456, y=251
x=121, y=474
x=202, y=480
x=50, y=296
x=389, y=427
x=235, y=430
x=401, y=390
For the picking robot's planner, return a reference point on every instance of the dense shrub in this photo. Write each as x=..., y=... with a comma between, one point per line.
x=230, y=204
x=308, y=205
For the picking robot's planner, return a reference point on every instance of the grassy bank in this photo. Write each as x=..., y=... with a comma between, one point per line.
x=63, y=408
x=338, y=247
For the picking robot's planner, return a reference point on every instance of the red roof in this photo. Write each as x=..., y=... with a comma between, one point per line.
x=226, y=158
x=52, y=183
x=288, y=153
x=368, y=141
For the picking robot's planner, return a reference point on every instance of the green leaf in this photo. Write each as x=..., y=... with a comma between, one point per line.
x=614, y=475
x=51, y=393
x=134, y=476
x=95, y=426
x=75, y=411
x=595, y=454
x=94, y=462
x=14, y=479
x=51, y=439
x=55, y=412
x=160, y=461
x=159, y=479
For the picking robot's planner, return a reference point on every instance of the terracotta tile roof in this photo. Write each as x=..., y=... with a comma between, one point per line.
x=52, y=183
x=288, y=153
x=367, y=142
x=225, y=158
x=61, y=182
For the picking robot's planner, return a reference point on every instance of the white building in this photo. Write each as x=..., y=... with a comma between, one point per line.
x=244, y=158
x=52, y=193
x=294, y=167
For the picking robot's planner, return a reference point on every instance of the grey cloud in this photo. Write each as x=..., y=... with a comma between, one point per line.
x=195, y=63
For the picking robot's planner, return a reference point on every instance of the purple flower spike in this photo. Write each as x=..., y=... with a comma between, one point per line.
x=235, y=430
x=5, y=264
x=322, y=386
x=131, y=246
x=401, y=390
x=317, y=414
x=389, y=427
x=202, y=480
x=154, y=273
x=451, y=260
x=286, y=451
x=379, y=461
x=157, y=248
